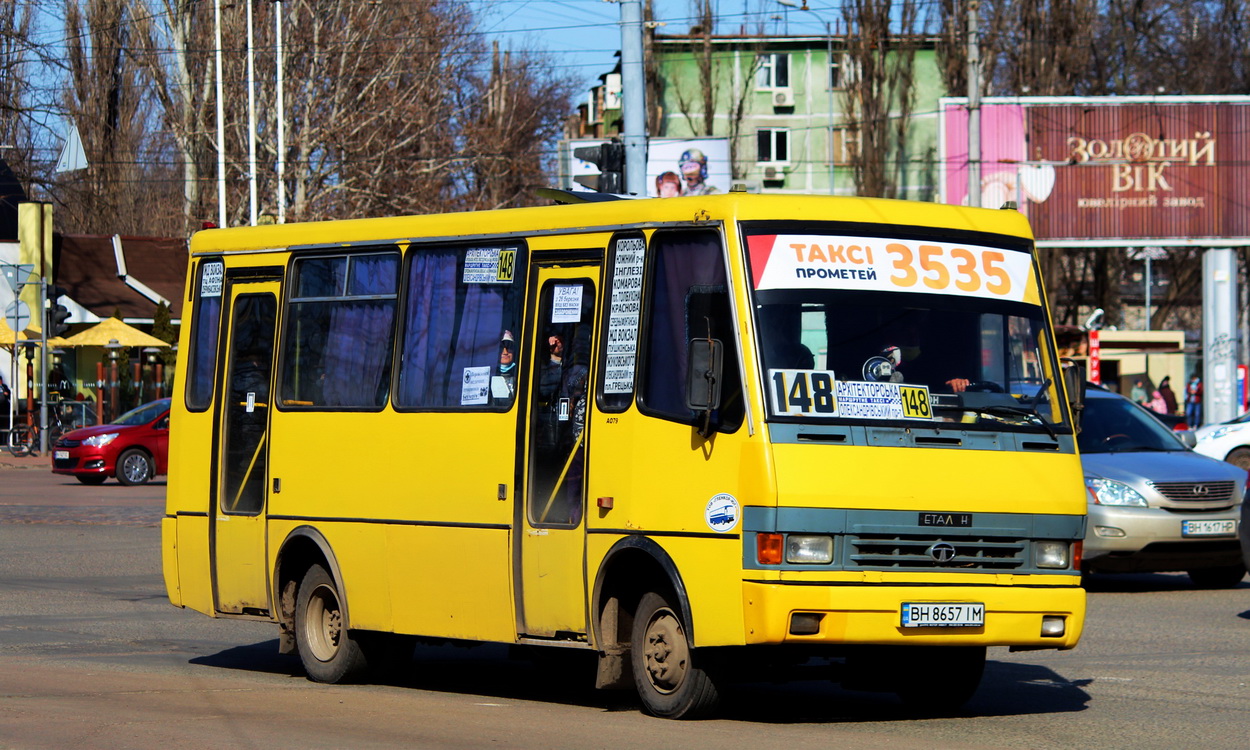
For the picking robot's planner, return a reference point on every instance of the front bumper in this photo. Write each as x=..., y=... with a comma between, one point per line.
x=81, y=463
x=1135, y=539
x=870, y=614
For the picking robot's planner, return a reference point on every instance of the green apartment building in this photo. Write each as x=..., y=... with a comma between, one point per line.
x=782, y=104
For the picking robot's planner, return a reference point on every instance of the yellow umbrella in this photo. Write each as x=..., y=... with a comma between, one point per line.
x=6, y=336
x=110, y=330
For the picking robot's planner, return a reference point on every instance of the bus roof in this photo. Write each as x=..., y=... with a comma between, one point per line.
x=606, y=216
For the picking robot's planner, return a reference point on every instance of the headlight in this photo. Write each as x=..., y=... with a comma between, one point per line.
x=1107, y=492
x=98, y=441
x=811, y=550
x=1051, y=554
x=1220, y=432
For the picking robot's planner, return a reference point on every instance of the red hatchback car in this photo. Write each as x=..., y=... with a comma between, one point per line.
x=134, y=448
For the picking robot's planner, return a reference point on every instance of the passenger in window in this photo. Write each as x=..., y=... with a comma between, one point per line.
x=507, y=365
x=549, y=380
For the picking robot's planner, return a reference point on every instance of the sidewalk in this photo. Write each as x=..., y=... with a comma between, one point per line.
x=8, y=461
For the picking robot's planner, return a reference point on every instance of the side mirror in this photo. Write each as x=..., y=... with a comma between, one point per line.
x=1074, y=386
x=703, y=374
x=1187, y=437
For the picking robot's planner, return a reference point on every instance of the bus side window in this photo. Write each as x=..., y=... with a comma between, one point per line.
x=688, y=298
x=463, y=304
x=339, y=331
x=202, y=363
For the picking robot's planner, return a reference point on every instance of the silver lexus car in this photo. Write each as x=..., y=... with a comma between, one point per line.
x=1154, y=504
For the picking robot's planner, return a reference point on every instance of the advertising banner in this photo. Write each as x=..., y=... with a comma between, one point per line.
x=1113, y=168
x=675, y=167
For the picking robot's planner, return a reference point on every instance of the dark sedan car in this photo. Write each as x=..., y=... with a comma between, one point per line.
x=134, y=448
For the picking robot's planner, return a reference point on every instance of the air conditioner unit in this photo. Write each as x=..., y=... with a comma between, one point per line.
x=783, y=98
x=772, y=173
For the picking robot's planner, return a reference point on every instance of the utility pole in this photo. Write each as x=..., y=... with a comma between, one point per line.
x=251, y=118
x=221, y=127
x=281, y=96
x=634, y=98
x=974, y=108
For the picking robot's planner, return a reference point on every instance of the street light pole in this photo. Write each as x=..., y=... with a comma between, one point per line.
x=974, y=108
x=633, y=85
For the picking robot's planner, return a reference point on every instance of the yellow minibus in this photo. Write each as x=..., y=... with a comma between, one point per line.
x=691, y=436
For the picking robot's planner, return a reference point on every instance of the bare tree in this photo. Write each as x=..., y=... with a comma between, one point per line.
x=504, y=144
x=175, y=49
x=1049, y=47
x=881, y=41
x=106, y=99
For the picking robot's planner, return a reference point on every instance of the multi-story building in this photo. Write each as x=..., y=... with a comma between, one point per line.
x=783, y=104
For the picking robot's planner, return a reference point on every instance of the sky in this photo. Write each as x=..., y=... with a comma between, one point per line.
x=582, y=35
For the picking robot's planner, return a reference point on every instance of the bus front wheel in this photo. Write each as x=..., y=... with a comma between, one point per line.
x=326, y=647
x=667, y=680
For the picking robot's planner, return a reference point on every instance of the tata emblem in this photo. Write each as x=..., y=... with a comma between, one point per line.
x=942, y=552
x=1200, y=490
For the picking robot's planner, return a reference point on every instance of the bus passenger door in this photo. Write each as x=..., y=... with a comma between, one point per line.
x=553, y=580
x=240, y=575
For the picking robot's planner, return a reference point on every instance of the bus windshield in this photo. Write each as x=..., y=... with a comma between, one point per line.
x=872, y=328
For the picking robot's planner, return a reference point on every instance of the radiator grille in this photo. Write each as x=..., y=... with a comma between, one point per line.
x=1196, y=492
x=891, y=550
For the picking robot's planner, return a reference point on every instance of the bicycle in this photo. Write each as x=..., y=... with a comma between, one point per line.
x=23, y=440
x=20, y=441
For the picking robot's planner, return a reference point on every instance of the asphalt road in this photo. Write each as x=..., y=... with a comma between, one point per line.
x=93, y=655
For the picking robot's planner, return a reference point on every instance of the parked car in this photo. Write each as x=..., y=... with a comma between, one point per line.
x=1228, y=441
x=134, y=448
x=1154, y=504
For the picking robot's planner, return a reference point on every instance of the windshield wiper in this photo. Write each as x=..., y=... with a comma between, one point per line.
x=1020, y=411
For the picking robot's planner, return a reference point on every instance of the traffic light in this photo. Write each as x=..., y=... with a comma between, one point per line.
x=57, y=313
x=610, y=158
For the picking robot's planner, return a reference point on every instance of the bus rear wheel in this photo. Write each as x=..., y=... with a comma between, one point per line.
x=667, y=680
x=326, y=647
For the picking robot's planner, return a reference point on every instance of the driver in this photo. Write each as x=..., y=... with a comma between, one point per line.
x=885, y=366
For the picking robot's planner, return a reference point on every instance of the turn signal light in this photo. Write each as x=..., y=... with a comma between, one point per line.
x=768, y=548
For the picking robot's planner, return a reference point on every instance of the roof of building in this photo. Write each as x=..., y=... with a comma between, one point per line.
x=86, y=267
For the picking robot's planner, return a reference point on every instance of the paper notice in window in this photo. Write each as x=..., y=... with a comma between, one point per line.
x=211, y=278
x=566, y=304
x=475, y=386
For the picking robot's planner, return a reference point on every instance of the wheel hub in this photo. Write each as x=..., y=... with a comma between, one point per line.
x=667, y=654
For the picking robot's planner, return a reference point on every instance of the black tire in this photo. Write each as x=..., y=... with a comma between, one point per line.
x=92, y=479
x=667, y=680
x=1225, y=577
x=134, y=467
x=958, y=667
x=1239, y=458
x=20, y=441
x=327, y=649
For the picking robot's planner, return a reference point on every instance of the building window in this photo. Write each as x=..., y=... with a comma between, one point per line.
x=842, y=72
x=773, y=71
x=843, y=145
x=773, y=145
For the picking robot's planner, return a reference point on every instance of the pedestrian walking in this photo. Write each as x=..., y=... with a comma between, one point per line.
x=1193, y=402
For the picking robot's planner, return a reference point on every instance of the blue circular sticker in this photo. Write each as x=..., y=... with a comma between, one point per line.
x=722, y=512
